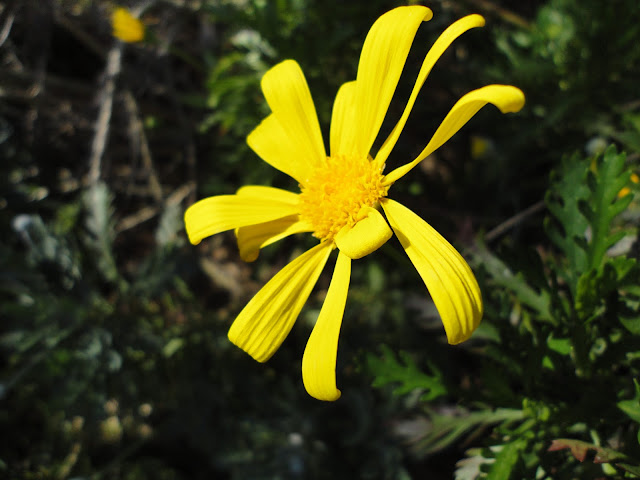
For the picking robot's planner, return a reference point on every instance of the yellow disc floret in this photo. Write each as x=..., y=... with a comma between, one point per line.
x=336, y=193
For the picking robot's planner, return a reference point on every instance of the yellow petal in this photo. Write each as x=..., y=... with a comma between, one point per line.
x=269, y=194
x=288, y=95
x=382, y=59
x=254, y=237
x=448, y=278
x=319, y=360
x=272, y=143
x=436, y=51
x=342, y=119
x=505, y=97
x=366, y=236
x=126, y=27
x=267, y=319
x=226, y=212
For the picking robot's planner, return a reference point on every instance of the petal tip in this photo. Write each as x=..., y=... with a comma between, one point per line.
x=194, y=239
x=235, y=337
x=478, y=20
x=327, y=396
x=249, y=255
x=462, y=331
x=516, y=100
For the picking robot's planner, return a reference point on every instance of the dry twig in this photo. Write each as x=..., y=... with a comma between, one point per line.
x=112, y=70
x=139, y=138
x=147, y=213
x=513, y=221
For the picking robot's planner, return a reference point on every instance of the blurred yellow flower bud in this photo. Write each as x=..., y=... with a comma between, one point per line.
x=126, y=27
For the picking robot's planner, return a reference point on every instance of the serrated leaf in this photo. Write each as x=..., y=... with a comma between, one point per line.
x=100, y=224
x=169, y=225
x=405, y=374
x=584, y=200
x=448, y=427
x=580, y=449
x=611, y=177
x=47, y=249
x=501, y=274
x=597, y=285
x=569, y=226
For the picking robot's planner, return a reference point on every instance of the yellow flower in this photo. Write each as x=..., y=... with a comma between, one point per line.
x=126, y=27
x=341, y=197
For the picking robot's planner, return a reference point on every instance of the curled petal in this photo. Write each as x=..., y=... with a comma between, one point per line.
x=448, y=278
x=254, y=237
x=272, y=143
x=365, y=237
x=505, y=97
x=227, y=212
x=319, y=360
x=383, y=56
x=435, y=52
x=267, y=319
x=288, y=95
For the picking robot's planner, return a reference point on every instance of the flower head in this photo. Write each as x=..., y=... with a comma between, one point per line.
x=126, y=27
x=342, y=197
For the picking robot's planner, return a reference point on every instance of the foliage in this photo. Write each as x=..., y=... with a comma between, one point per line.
x=563, y=329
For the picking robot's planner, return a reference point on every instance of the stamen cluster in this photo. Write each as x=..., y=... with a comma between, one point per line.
x=336, y=193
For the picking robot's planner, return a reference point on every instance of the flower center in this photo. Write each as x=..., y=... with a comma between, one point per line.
x=335, y=194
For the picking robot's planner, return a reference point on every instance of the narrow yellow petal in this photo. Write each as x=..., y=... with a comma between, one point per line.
x=254, y=237
x=366, y=236
x=442, y=43
x=269, y=194
x=383, y=56
x=342, y=119
x=227, y=212
x=267, y=319
x=319, y=360
x=448, y=278
x=288, y=95
x=505, y=97
x=272, y=143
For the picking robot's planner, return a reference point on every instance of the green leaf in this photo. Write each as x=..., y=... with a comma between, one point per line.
x=609, y=178
x=507, y=459
x=448, y=427
x=559, y=345
x=632, y=324
x=172, y=347
x=632, y=407
x=568, y=227
x=597, y=285
x=404, y=372
x=100, y=225
x=502, y=275
x=47, y=249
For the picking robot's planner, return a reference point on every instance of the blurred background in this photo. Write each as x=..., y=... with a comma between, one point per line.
x=114, y=360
